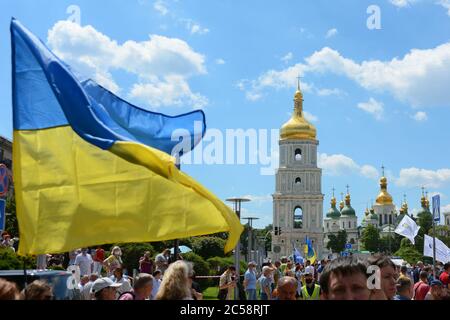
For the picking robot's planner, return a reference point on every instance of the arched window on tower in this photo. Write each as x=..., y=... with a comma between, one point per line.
x=298, y=155
x=390, y=219
x=298, y=218
x=352, y=241
x=298, y=181
x=349, y=224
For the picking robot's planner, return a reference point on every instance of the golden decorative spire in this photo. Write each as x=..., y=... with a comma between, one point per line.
x=383, y=197
x=427, y=202
x=423, y=200
x=347, y=197
x=405, y=204
x=341, y=204
x=333, y=200
x=298, y=127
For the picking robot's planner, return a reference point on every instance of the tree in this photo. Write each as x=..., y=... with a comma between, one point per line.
x=11, y=225
x=408, y=252
x=201, y=267
x=337, y=242
x=9, y=260
x=443, y=233
x=131, y=252
x=371, y=238
x=425, y=221
x=390, y=243
x=208, y=247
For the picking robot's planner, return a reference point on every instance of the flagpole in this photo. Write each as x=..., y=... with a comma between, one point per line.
x=434, y=249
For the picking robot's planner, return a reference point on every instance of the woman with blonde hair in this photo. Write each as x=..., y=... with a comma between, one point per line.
x=114, y=261
x=176, y=283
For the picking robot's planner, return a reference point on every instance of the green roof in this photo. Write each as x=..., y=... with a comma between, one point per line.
x=348, y=211
x=333, y=213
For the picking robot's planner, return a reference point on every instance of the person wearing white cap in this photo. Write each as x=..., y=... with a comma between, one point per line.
x=311, y=290
x=104, y=289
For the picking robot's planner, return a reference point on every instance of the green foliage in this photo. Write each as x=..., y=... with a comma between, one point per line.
x=201, y=268
x=9, y=260
x=219, y=264
x=208, y=247
x=408, y=252
x=131, y=252
x=443, y=233
x=390, y=244
x=371, y=238
x=11, y=224
x=337, y=242
x=425, y=221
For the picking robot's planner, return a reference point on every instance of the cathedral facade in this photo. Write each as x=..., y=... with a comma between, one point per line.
x=298, y=198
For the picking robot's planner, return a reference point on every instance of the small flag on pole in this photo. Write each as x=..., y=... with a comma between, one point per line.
x=407, y=228
x=436, y=208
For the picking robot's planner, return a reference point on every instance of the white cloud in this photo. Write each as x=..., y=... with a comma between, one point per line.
x=160, y=64
x=445, y=4
x=331, y=33
x=194, y=27
x=419, y=78
x=287, y=57
x=220, y=61
x=329, y=92
x=415, y=177
x=402, y=3
x=373, y=107
x=161, y=7
x=420, y=116
x=310, y=117
x=369, y=171
x=339, y=164
x=173, y=91
x=259, y=199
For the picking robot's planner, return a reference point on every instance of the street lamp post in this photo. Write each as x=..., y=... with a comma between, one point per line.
x=250, y=238
x=237, y=208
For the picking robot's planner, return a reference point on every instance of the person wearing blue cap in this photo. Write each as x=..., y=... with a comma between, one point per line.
x=435, y=292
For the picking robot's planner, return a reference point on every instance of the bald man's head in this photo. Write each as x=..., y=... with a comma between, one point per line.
x=287, y=288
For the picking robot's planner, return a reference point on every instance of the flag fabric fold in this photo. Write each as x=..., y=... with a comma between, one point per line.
x=442, y=251
x=310, y=253
x=297, y=256
x=90, y=168
x=407, y=228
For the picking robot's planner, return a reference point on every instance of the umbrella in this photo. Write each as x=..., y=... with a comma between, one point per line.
x=181, y=249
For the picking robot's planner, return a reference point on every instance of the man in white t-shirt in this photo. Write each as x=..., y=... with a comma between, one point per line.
x=162, y=261
x=85, y=262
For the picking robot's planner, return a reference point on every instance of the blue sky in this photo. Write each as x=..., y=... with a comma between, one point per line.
x=377, y=96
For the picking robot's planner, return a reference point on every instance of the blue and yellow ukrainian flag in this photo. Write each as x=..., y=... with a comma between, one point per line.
x=310, y=253
x=90, y=168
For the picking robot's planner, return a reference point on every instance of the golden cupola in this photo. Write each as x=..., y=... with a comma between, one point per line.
x=384, y=197
x=298, y=127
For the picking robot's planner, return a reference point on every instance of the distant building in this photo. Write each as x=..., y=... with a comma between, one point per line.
x=343, y=219
x=6, y=158
x=298, y=199
x=447, y=218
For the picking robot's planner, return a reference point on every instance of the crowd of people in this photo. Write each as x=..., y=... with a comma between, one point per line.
x=104, y=277
x=344, y=278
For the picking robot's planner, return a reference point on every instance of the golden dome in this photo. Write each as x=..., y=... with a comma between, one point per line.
x=384, y=197
x=298, y=127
